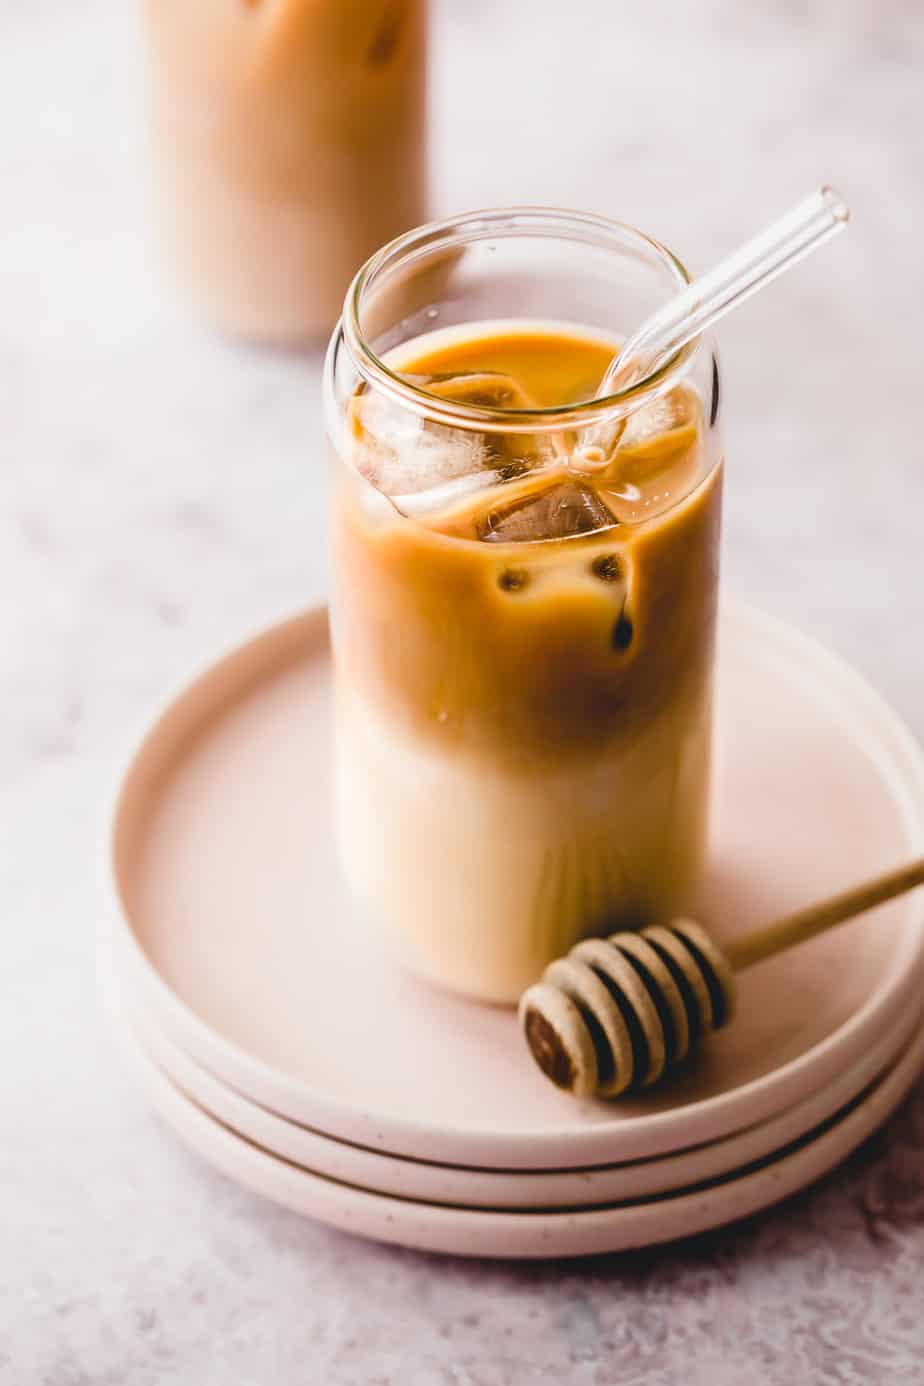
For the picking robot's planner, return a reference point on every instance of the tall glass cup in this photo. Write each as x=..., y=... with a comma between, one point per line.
x=289, y=140
x=523, y=652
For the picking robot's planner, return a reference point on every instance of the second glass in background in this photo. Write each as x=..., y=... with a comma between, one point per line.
x=289, y=140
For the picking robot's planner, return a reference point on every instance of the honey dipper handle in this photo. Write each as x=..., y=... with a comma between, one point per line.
x=796, y=928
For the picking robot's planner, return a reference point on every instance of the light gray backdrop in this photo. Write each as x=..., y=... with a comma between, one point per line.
x=161, y=492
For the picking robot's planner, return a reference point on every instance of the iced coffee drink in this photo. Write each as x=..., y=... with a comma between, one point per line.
x=289, y=142
x=523, y=649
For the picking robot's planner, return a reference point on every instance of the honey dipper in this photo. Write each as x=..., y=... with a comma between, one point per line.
x=618, y=1014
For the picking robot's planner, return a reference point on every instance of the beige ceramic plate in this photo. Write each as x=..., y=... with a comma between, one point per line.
x=480, y=1188
x=569, y=1232
x=232, y=917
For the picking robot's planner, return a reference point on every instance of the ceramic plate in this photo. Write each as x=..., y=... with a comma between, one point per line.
x=480, y=1188
x=572, y=1232
x=233, y=919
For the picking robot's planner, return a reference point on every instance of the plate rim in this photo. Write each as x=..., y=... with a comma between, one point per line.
x=637, y=1137
x=738, y=1149
x=499, y=1234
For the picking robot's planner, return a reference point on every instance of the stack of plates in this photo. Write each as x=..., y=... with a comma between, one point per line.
x=276, y=1036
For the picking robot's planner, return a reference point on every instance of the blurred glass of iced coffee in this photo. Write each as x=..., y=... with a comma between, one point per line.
x=523, y=648
x=289, y=142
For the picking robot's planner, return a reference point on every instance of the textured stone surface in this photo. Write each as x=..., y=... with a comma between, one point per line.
x=161, y=493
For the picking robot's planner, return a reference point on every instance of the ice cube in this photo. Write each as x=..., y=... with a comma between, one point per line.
x=650, y=435
x=664, y=425
x=560, y=511
x=403, y=454
x=512, y=454
x=485, y=389
x=406, y=455
x=658, y=459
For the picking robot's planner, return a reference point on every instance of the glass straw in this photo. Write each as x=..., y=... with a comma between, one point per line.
x=782, y=244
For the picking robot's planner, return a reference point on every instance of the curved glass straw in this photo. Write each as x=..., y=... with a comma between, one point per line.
x=808, y=225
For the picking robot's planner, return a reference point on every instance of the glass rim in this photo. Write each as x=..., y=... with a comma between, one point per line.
x=507, y=222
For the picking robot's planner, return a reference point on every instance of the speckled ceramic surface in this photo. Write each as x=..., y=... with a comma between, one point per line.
x=528, y=1234
x=478, y=1188
x=234, y=921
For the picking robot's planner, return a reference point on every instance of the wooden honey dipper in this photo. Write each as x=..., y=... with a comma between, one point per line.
x=618, y=1014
